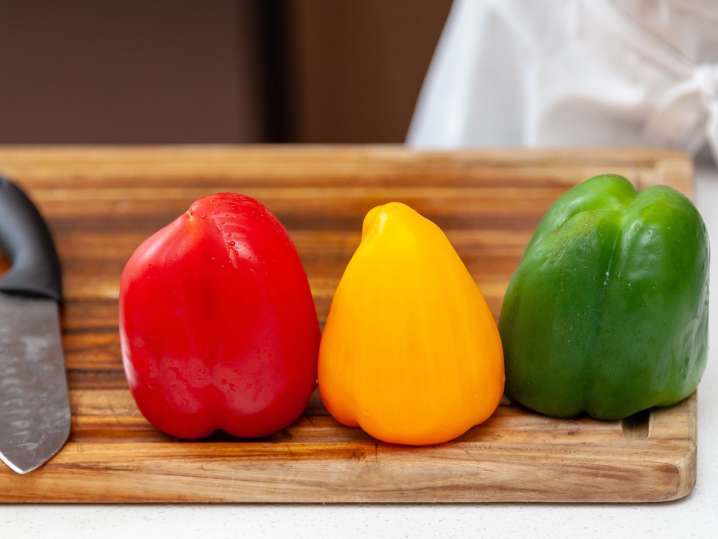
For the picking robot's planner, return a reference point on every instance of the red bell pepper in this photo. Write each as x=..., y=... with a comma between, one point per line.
x=217, y=323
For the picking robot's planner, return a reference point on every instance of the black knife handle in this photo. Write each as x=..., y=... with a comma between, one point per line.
x=26, y=241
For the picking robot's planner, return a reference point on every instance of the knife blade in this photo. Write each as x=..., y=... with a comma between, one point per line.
x=34, y=403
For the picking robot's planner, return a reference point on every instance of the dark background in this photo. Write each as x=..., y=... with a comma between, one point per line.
x=169, y=71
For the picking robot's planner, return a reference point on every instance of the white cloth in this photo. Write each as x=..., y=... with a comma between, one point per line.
x=573, y=72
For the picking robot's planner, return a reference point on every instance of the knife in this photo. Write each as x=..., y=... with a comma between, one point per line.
x=34, y=403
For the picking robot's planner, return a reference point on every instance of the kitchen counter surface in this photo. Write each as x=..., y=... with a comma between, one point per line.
x=695, y=516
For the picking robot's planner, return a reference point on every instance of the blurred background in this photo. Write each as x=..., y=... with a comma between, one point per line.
x=227, y=71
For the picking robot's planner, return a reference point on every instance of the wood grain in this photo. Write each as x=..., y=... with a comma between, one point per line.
x=102, y=201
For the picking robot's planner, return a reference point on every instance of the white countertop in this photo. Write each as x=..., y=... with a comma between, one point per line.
x=696, y=516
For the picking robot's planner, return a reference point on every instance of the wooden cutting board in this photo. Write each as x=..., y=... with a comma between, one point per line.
x=102, y=202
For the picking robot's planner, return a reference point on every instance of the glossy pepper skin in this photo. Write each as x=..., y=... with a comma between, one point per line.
x=410, y=351
x=607, y=312
x=217, y=323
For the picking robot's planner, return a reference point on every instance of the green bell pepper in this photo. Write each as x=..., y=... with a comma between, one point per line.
x=607, y=312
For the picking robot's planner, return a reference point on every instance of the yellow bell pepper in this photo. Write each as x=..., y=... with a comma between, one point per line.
x=410, y=351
